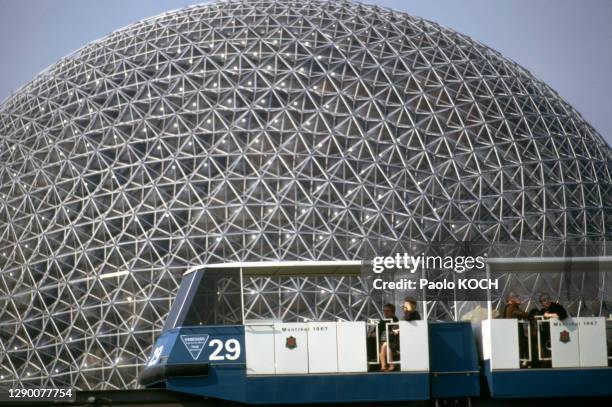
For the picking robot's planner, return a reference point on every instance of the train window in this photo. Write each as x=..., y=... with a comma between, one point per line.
x=216, y=300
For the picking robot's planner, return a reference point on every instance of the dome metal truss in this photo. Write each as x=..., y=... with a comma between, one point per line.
x=263, y=130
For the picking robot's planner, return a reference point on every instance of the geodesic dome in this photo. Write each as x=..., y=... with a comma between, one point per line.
x=262, y=130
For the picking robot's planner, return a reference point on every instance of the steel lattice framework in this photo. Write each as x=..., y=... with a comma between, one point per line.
x=263, y=130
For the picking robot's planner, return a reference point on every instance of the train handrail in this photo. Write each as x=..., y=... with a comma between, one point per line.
x=375, y=324
x=389, y=361
x=539, y=322
x=529, y=349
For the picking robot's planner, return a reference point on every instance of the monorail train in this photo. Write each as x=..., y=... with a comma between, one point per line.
x=226, y=356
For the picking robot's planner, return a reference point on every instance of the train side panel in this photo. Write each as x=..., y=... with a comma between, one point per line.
x=453, y=360
x=211, y=362
x=575, y=365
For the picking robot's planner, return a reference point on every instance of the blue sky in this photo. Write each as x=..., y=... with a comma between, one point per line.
x=566, y=43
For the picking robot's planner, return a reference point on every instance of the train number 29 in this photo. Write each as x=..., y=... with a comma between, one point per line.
x=231, y=347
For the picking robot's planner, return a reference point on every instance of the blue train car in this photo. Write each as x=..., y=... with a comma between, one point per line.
x=269, y=361
x=209, y=348
x=544, y=358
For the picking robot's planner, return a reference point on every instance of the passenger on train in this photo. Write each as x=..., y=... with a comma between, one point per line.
x=410, y=310
x=387, y=344
x=551, y=309
x=410, y=314
x=512, y=309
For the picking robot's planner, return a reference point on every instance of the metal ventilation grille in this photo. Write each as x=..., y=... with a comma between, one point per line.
x=262, y=130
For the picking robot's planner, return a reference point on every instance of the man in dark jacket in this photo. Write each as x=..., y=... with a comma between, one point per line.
x=512, y=309
x=551, y=309
x=410, y=310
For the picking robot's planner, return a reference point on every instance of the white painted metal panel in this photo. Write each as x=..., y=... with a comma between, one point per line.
x=477, y=332
x=500, y=343
x=352, y=349
x=259, y=344
x=414, y=346
x=291, y=347
x=592, y=341
x=565, y=342
x=322, y=347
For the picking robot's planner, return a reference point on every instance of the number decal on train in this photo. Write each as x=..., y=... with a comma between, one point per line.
x=231, y=346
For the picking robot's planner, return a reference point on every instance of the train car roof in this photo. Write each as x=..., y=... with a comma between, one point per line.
x=289, y=268
x=554, y=264
x=356, y=267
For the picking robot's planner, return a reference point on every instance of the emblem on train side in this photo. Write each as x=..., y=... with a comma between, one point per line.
x=195, y=344
x=291, y=342
x=564, y=336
